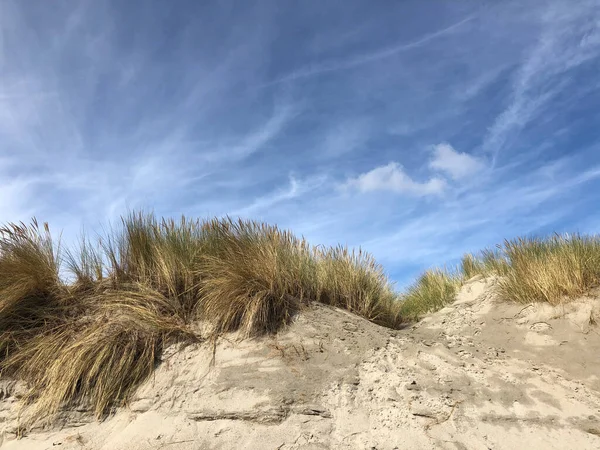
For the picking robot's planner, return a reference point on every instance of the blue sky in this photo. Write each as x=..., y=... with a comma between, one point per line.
x=418, y=130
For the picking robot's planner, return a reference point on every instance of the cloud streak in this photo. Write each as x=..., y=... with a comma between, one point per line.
x=569, y=38
x=356, y=61
x=445, y=141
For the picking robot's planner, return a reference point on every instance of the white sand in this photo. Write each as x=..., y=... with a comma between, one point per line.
x=480, y=374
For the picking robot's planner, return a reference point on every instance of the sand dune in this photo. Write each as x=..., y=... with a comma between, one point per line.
x=479, y=374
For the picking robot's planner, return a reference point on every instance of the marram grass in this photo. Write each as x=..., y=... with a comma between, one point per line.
x=553, y=269
x=433, y=290
x=91, y=342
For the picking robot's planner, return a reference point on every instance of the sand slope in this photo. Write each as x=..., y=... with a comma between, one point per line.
x=480, y=374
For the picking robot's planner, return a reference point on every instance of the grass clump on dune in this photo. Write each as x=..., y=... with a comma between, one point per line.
x=93, y=340
x=433, y=290
x=436, y=288
x=554, y=269
x=162, y=255
x=356, y=282
x=487, y=262
x=98, y=357
x=254, y=277
x=31, y=294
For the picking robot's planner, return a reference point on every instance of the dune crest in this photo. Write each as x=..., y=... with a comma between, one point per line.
x=480, y=373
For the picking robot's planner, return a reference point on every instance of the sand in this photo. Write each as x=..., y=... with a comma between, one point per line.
x=480, y=374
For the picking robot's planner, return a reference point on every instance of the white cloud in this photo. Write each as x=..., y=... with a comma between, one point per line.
x=392, y=177
x=456, y=165
x=522, y=204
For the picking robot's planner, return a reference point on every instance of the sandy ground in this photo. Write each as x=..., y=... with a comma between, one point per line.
x=480, y=374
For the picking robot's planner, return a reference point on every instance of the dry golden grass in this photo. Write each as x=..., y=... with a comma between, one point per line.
x=100, y=356
x=433, y=290
x=92, y=341
x=488, y=262
x=254, y=278
x=554, y=269
x=160, y=254
x=257, y=277
x=30, y=290
x=353, y=280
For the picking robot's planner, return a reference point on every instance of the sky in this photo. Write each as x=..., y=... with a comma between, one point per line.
x=417, y=130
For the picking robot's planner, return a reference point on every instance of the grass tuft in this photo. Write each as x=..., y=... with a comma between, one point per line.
x=487, y=262
x=258, y=277
x=433, y=290
x=100, y=356
x=254, y=278
x=552, y=270
x=353, y=280
x=31, y=295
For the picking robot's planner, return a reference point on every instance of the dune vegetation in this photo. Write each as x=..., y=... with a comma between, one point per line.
x=553, y=269
x=433, y=290
x=86, y=326
x=95, y=338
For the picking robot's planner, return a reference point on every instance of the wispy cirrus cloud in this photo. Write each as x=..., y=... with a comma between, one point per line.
x=345, y=137
x=569, y=39
x=295, y=189
x=91, y=128
x=447, y=132
x=356, y=61
x=240, y=147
